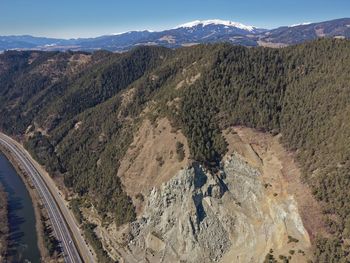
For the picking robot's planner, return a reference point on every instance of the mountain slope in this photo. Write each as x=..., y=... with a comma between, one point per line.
x=196, y=32
x=339, y=28
x=79, y=114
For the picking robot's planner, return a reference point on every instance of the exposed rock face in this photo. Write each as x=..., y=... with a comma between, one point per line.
x=198, y=216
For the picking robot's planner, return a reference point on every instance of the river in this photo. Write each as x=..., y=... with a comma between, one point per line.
x=23, y=241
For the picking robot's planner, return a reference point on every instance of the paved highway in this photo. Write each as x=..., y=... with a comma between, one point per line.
x=57, y=218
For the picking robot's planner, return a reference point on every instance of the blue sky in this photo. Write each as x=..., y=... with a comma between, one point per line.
x=83, y=18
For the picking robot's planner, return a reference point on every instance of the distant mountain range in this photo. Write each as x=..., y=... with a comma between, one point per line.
x=196, y=32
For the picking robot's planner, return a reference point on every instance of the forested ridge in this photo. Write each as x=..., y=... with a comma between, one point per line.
x=79, y=123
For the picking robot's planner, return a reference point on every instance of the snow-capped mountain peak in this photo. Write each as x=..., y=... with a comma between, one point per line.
x=216, y=22
x=300, y=24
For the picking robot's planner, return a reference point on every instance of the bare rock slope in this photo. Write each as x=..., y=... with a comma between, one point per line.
x=235, y=215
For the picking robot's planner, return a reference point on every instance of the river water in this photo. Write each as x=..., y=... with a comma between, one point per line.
x=23, y=245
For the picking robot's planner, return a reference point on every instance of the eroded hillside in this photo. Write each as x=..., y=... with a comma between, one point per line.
x=237, y=214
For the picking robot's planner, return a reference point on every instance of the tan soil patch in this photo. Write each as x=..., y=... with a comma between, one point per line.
x=235, y=144
x=180, y=84
x=189, y=81
x=151, y=159
x=194, y=78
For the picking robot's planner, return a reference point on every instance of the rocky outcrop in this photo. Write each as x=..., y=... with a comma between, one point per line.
x=198, y=216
